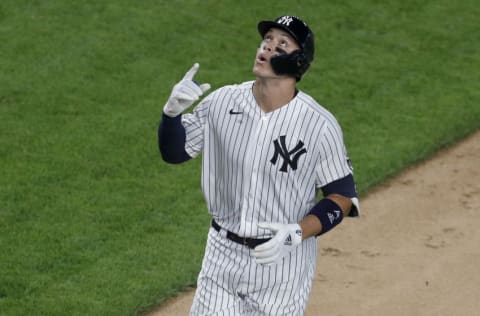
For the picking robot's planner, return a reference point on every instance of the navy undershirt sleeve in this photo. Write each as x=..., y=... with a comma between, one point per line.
x=344, y=186
x=171, y=139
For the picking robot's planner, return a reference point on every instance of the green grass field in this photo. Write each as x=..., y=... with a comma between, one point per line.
x=92, y=222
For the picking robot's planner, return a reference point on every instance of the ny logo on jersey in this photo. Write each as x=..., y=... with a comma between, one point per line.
x=290, y=157
x=285, y=20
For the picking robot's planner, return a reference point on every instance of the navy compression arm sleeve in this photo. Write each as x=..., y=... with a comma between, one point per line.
x=171, y=139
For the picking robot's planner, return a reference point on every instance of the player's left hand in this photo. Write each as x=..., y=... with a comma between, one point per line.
x=286, y=238
x=185, y=93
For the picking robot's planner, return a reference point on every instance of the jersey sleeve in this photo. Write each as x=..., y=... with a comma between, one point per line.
x=194, y=124
x=334, y=163
x=333, y=160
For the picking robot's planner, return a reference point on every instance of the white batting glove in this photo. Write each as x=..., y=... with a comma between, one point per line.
x=185, y=93
x=287, y=237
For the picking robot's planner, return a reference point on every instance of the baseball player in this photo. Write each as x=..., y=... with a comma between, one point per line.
x=267, y=150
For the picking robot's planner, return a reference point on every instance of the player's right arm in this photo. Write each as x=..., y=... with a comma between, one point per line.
x=171, y=140
x=171, y=132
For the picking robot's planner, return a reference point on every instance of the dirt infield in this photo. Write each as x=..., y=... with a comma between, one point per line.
x=414, y=251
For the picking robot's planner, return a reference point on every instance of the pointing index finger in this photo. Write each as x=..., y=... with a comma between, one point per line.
x=191, y=73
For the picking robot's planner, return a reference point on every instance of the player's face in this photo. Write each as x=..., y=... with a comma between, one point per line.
x=275, y=42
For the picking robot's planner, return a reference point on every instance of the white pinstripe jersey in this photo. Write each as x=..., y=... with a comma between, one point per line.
x=263, y=166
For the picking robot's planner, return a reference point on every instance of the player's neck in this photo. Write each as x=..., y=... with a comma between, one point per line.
x=273, y=94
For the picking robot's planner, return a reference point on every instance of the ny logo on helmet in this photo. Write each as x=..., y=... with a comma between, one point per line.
x=281, y=150
x=285, y=20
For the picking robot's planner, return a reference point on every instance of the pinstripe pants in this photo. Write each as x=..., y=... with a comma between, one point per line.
x=231, y=283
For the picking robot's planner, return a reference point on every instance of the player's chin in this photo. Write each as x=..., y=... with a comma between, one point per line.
x=263, y=70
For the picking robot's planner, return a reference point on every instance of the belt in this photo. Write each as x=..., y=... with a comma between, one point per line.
x=246, y=241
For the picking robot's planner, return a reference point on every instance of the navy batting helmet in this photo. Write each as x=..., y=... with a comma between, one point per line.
x=296, y=63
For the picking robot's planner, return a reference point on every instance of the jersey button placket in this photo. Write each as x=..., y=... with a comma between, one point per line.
x=250, y=176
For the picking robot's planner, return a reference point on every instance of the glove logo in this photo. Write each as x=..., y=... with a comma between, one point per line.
x=288, y=241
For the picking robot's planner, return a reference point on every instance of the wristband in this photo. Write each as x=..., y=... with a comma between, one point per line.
x=329, y=214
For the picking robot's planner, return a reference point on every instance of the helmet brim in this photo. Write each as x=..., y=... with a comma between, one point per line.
x=264, y=26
